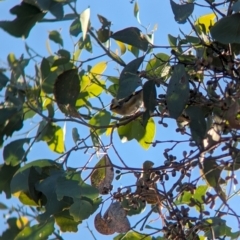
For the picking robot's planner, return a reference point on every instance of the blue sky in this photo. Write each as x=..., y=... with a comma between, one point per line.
x=120, y=13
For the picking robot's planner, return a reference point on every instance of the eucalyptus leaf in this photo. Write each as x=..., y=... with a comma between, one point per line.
x=132, y=36
x=182, y=11
x=84, y=19
x=226, y=30
x=178, y=91
x=27, y=16
x=13, y=153
x=129, y=79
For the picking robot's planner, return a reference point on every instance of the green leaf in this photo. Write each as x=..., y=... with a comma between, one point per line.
x=17, y=66
x=10, y=121
x=172, y=42
x=67, y=88
x=135, y=130
x=75, y=135
x=52, y=135
x=197, y=123
x=132, y=36
x=24, y=180
x=12, y=231
x=105, y=23
x=226, y=30
x=56, y=9
x=3, y=206
x=178, y=91
x=236, y=6
x=136, y=12
x=48, y=188
x=193, y=40
x=122, y=47
x=117, y=59
x=27, y=16
x=102, y=118
x=212, y=171
x=132, y=236
x=71, y=185
x=103, y=35
x=159, y=66
x=113, y=89
x=66, y=222
x=149, y=99
x=55, y=36
x=45, y=68
x=133, y=50
x=6, y=174
x=181, y=12
x=13, y=152
x=75, y=28
x=219, y=228
x=80, y=210
x=3, y=80
x=64, y=58
x=138, y=208
x=205, y=22
x=47, y=76
x=147, y=138
x=97, y=70
x=198, y=194
x=25, y=199
x=102, y=176
x=37, y=232
x=85, y=44
x=89, y=89
x=84, y=19
x=129, y=79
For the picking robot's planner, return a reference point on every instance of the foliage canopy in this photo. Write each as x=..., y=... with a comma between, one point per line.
x=192, y=85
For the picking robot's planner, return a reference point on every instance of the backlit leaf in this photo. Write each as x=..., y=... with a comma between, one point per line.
x=98, y=69
x=102, y=176
x=133, y=235
x=205, y=22
x=122, y=47
x=66, y=222
x=102, y=118
x=84, y=19
x=117, y=59
x=159, y=66
x=135, y=130
x=148, y=135
x=136, y=12
x=38, y=231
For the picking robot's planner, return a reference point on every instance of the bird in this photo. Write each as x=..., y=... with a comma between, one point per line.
x=128, y=106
